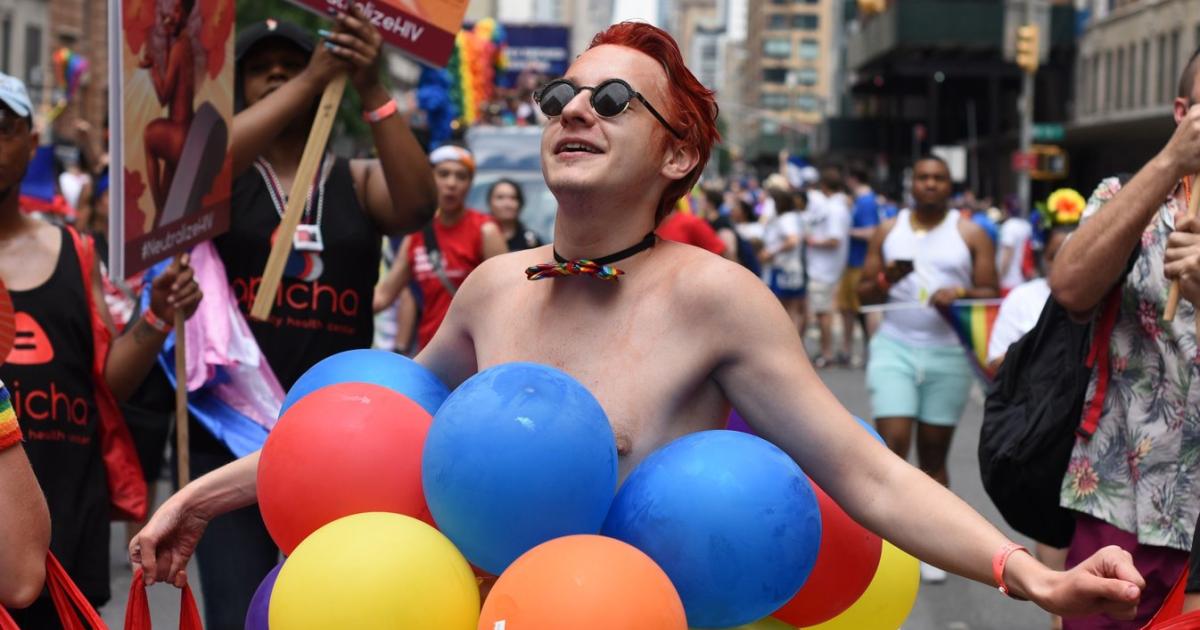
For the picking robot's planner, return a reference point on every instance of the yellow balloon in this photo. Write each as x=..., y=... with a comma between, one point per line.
x=375, y=571
x=888, y=599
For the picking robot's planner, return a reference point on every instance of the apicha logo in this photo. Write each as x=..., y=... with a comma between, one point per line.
x=31, y=345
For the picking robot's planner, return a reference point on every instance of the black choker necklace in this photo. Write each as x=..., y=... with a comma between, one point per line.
x=597, y=267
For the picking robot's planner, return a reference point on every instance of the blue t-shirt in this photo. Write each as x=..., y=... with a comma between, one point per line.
x=866, y=214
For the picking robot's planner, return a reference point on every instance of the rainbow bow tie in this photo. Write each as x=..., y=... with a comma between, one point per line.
x=581, y=267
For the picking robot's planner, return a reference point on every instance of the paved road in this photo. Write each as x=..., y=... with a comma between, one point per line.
x=957, y=604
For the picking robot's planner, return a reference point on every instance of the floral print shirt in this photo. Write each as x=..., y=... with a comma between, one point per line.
x=1139, y=471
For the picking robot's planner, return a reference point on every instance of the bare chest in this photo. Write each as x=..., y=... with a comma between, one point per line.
x=652, y=378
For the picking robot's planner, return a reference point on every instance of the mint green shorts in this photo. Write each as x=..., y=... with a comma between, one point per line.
x=929, y=384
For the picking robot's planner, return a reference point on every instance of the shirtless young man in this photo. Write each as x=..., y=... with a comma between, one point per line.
x=669, y=345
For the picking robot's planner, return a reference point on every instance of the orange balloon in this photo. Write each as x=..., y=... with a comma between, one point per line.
x=583, y=582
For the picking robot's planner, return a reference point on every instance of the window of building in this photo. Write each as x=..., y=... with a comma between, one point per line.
x=1118, y=101
x=806, y=103
x=33, y=58
x=810, y=49
x=1174, y=67
x=6, y=44
x=1095, y=96
x=806, y=76
x=777, y=47
x=777, y=22
x=1144, y=91
x=775, y=100
x=775, y=75
x=1161, y=82
x=804, y=21
x=1131, y=79
x=1107, y=103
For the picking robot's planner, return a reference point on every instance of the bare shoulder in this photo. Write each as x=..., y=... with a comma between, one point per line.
x=709, y=287
x=501, y=273
x=971, y=231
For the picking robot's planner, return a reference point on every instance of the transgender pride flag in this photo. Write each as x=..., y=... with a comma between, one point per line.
x=232, y=391
x=972, y=321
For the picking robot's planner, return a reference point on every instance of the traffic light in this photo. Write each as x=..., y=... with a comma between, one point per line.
x=871, y=7
x=1027, y=48
x=1049, y=163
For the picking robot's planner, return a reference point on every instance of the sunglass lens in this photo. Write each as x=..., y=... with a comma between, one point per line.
x=555, y=97
x=611, y=99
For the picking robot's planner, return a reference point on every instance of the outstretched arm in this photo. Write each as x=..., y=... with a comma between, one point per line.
x=763, y=367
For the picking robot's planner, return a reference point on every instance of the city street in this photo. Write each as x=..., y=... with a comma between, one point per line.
x=957, y=604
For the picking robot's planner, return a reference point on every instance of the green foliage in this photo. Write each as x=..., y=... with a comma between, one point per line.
x=349, y=119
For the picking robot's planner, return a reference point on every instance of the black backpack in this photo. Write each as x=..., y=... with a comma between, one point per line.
x=1034, y=412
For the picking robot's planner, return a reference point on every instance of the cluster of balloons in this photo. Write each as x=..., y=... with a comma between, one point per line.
x=389, y=495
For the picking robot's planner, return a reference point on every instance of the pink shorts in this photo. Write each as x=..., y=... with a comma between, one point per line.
x=1160, y=566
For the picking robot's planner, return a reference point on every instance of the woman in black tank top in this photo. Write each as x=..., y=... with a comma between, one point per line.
x=323, y=305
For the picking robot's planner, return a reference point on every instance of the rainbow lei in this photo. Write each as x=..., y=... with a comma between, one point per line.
x=10, y=431
x=582, y=267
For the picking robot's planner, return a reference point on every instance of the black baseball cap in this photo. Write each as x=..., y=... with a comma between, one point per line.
x=258, y=32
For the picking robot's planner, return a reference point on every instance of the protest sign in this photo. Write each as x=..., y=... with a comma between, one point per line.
x=423, y=29
x=171, y=111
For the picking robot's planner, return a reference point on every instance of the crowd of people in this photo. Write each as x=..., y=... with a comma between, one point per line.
x=712, y=299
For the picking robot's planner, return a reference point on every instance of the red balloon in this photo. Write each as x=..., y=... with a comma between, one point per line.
x=341, y=450
x=846, y=562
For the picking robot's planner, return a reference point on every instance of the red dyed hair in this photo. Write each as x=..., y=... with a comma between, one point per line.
x=692, y=109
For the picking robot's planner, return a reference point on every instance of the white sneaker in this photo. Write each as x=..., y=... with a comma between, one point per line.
x=931, y=574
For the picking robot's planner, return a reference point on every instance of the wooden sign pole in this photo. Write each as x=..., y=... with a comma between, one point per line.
x=1173, y=296
x=182, y=446
x=313, y=151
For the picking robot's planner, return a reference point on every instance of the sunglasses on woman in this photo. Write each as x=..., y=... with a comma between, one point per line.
x=610, y=98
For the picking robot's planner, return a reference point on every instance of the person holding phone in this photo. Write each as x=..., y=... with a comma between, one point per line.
x=917, y=374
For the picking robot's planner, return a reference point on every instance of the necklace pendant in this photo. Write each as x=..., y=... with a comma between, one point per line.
x=308, y=239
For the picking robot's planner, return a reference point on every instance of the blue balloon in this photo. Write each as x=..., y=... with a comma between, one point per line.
x=518, y=455
x=378, y=367
x=258, y=614
x=731, y=519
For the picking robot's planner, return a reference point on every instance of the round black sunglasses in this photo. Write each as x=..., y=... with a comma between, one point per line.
x=610, y=98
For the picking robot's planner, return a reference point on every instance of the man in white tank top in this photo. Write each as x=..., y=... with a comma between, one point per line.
x=918, y=373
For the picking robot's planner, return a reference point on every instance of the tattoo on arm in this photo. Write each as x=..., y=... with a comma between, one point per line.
x=143, y=332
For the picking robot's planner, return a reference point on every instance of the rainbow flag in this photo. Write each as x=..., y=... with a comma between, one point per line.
x=972, y=321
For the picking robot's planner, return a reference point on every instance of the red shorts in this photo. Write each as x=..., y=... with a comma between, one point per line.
x=1160, y=566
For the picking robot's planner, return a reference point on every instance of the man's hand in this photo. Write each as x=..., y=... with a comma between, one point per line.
x=944, y=297
x=167, y=542
x=1182, y=259
x=1106, y=583
x=1183, y=149
x=175, y=289
x=357, y=43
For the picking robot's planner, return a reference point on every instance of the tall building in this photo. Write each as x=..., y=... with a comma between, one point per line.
x=81, y=25
x=934, y=74
x=1126, y=78
x=790, y=70
x=23, y=42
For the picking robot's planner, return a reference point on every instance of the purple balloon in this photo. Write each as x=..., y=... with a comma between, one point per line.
x=260, y=606
x=737, y=423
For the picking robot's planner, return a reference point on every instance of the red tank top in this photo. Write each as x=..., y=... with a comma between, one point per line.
x=461, y=246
